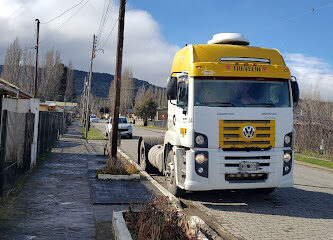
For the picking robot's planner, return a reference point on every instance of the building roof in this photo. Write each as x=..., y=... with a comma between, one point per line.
x=10, y=89
x=62, y=104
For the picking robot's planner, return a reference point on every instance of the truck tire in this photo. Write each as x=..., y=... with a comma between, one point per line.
x=143, y=157
x=144, y=145
x=170, y=176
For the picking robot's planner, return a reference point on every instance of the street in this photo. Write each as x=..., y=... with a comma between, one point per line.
x=302, y=212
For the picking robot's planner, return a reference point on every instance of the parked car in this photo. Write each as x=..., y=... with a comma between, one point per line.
x=93, y=118
x=124, y=128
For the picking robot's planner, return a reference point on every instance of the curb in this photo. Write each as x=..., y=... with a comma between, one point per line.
x=101, y=176
x=175, y=201
x=313, y=166
x=119, y=226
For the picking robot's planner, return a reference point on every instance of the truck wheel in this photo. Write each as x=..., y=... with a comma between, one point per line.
x=170, y=176
x=144, y=163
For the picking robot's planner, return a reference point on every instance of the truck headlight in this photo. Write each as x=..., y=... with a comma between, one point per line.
x=287, y=157
x=287, y=140
x=199, y=140
x=287, y=161
x=201, y=163
x=201, y=158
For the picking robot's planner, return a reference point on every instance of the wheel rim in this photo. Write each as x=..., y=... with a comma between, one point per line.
x=170, y=172
x=142, y=160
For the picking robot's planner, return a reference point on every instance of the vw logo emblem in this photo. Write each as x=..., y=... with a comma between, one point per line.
x=248, y=132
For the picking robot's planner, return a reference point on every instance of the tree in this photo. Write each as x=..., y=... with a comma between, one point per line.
x=69, y=83
x=11, y=66
x=52, y=71
x=111, y=96
x=146, y=110
x=27, y=73
x=127, y=90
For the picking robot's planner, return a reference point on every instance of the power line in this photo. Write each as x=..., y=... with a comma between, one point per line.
x=67, y=20
x=63, y=12
x=74, y=14
x=12, y=14
x=106, y=13
x=107, y=39
x=106, y=4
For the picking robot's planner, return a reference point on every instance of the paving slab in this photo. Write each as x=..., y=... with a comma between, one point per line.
x=53, y=202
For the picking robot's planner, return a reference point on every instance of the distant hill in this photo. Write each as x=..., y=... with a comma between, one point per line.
x=100, y=83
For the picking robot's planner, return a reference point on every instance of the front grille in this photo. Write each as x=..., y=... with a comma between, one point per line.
x=231, y=135
x=245, y=177
x=122, y=130
x=237, y=164
x=247, y=158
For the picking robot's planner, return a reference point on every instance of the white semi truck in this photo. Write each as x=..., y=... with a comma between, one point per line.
x=230, y=119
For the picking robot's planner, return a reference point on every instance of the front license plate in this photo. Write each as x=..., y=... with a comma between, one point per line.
x=248, y=166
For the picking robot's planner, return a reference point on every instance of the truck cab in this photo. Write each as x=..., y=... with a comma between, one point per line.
x=230, y=118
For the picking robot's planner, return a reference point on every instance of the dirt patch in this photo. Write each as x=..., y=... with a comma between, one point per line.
x=157, y=220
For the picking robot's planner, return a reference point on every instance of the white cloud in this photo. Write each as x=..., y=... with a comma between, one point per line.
x=311, y=72
x=145, y=50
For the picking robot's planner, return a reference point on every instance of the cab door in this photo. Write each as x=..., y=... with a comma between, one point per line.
x=181, y=117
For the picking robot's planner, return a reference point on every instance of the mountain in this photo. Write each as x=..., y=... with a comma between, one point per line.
x=100, y=83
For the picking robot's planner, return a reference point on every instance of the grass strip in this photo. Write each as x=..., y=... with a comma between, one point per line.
x=93, y=134
x=316, y=155
x=322, y=163
x=155, y=127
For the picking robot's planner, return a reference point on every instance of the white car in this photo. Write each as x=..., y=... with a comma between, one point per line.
x=93, y=118
x=124, y=128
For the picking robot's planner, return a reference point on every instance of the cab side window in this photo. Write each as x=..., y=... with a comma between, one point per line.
x=182, y=93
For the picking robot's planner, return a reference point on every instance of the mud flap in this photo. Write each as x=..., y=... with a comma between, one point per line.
x=180, y=167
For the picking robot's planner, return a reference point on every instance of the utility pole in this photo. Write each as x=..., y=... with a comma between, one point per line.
x=36, y=67
x=89, y=87
x=114, y=134
x=84, y=101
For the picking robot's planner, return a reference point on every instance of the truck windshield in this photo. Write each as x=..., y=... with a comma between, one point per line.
x=241, y=93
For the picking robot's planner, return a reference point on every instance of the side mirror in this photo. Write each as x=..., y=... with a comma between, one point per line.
x=295, y=92
x=171, y=89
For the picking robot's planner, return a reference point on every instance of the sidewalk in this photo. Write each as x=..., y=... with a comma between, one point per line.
x=58, y=199
x=53, y=201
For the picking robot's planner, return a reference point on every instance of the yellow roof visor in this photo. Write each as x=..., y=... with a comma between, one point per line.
x=230, y=60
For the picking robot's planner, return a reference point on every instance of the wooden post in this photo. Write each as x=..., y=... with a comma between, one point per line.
x=89, y=88
x=117, y=86
x=36, y=64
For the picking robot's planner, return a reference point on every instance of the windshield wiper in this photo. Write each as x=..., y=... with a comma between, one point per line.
x=267, y=104
x=221, y=103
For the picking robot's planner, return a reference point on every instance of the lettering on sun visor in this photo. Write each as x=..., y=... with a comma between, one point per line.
x=239, y=68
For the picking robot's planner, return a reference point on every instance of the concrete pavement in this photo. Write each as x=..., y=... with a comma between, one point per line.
x=302, y=212
x=54, y=200
x=61, y=198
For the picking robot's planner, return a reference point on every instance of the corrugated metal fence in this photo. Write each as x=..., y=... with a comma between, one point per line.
x=16, y=137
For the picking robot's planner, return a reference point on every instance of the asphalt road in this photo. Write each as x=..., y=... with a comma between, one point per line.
x=302, y=212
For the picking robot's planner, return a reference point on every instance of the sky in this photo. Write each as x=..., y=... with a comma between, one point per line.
x=156, y=29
